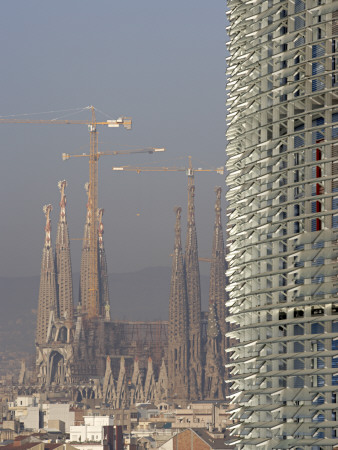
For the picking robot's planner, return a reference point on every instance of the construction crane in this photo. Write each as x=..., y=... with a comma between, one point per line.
x=93, y=295
x=189, y=171
x=94, y=155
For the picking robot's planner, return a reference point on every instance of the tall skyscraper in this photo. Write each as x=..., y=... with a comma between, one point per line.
x=283, y=221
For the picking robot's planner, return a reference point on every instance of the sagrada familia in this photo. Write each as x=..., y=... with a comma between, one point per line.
x=124, y=362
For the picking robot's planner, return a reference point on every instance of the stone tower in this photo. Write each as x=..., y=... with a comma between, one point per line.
x=63, y=260
x=194, y=300
x=218, y=280
x=215, y=346
x=103, y=273
x=84, y=270
x=213, y=371
x=47, y=293
x=178, y=322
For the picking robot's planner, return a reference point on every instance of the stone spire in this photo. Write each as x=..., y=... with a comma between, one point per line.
x=217, y=293
x=108, y=390
x=136, y=391
x=85, y=259
x=213, y=373
x=215, y=351
x=63, y=260
x=162, y=384
x=122, y=387
x=194, y=299
x=103, y=273
x=47, y=293
x=149, y=384
x=178, y=322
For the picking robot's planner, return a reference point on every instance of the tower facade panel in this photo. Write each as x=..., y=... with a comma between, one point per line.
x=283, y=221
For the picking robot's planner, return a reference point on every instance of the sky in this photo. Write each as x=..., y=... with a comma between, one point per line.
x=161, y=63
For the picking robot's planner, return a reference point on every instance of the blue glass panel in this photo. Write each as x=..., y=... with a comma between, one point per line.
x=335, y=221
x=317, y=328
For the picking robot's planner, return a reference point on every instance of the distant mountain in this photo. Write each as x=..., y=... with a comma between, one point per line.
x=141, y=295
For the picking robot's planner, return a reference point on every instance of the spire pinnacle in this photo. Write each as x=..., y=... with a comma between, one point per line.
x=47, y=209
x=87, y=189
x=191, y=205
x=62, y=186
x=218, y=208
x=178, y=211
x=100, y=212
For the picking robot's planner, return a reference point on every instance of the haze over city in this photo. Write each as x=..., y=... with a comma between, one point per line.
x=161, y=63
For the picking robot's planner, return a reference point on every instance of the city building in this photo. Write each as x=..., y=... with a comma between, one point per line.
x=283, y=221
x=92, y=430
x=195, y=438
x=52, y=412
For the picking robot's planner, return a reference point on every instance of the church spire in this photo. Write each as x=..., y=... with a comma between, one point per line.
x=103, y=272
x=216, y=357
x=63, y=260
x=84, y=270
x=213, y=372
x=47, y=292
x=218, y=267
x=178, y=318
x=194, y=298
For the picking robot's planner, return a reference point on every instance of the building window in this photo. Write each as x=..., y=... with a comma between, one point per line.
x=316, y=224
x=317, y=328
x=298, y=330
x=335, y=221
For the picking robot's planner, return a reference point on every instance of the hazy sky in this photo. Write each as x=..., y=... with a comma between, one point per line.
x=161, y=63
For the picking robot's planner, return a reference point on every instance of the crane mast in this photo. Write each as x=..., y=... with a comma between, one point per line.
x=93, y=295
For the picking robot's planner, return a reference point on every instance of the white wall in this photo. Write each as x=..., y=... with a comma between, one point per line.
x=58, y=411
x=92, y=430
x=31, y=419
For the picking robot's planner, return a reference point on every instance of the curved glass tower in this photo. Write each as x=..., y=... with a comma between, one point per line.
x=283, y=221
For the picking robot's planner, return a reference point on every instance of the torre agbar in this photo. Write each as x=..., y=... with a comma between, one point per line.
x=283, y=222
